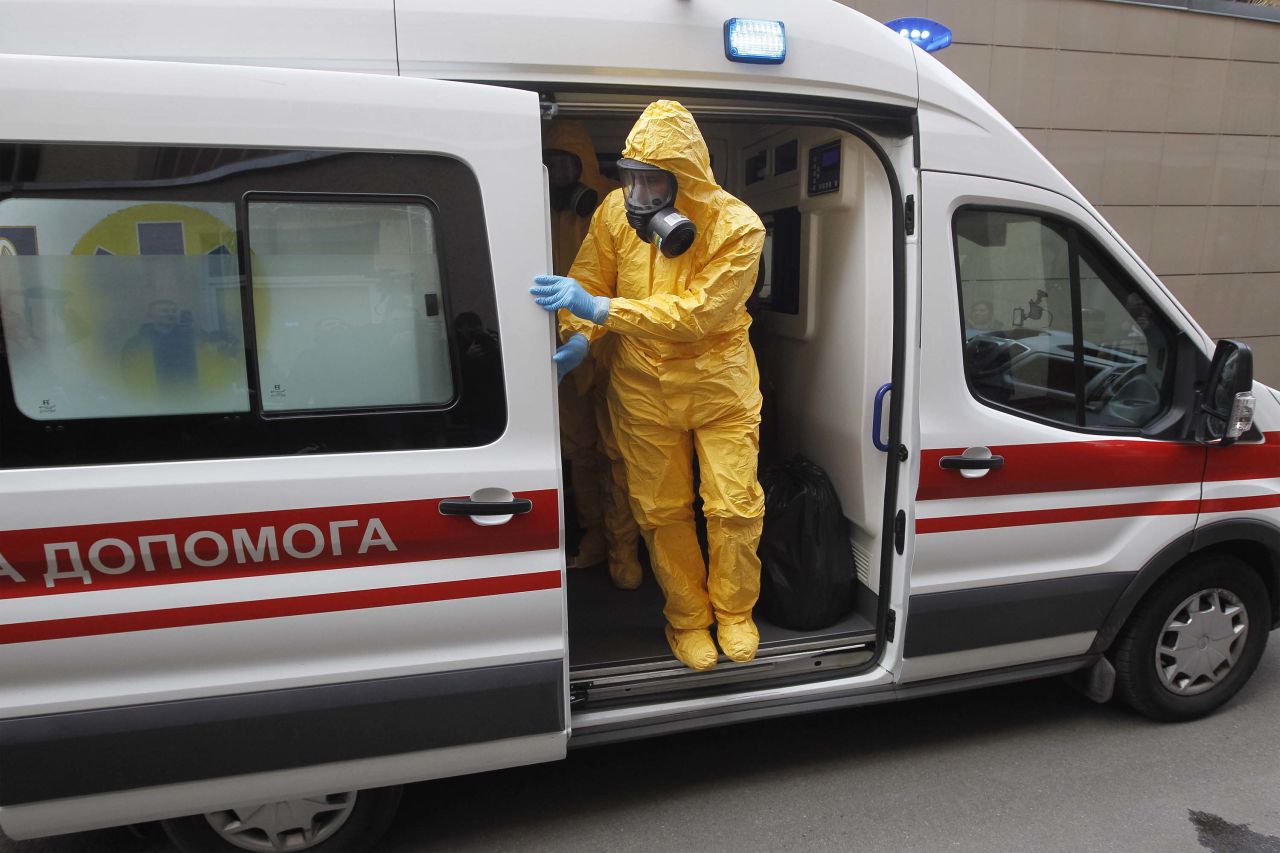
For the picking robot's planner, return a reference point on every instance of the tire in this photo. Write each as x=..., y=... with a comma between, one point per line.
x=345, y=823
x=1217, y=615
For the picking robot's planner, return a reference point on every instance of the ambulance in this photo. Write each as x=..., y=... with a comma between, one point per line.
x=282, y=520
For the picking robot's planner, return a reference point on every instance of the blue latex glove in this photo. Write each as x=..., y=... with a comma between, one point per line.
x=554, y=292
x=570, y=354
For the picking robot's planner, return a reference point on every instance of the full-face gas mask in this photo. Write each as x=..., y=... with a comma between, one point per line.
x=650, y=196
x=564, y=173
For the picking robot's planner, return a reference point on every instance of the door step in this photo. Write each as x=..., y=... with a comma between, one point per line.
x=668, y=676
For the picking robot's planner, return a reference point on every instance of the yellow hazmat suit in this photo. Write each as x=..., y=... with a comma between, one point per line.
x=586, y=432
x=683, y=377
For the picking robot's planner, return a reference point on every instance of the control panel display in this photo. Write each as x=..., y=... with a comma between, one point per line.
x=824, y=168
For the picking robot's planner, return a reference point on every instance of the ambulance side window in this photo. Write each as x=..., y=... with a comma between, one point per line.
x=348, y=305
x=170, y=303
x=121, y=308
x=1053, y=329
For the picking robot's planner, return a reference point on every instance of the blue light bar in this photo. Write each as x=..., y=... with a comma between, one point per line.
x=762, y=42
x=922, y=32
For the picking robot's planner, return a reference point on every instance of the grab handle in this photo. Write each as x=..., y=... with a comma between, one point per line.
x=466, y=506
x=876, y=416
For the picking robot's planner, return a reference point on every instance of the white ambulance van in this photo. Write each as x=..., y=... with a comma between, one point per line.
x=281, y=517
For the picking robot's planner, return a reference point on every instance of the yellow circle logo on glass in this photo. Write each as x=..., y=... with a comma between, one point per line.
x=127, y=231
x=161, y=284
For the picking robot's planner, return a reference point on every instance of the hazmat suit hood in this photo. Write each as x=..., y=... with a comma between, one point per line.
x=567, y=227
x=666, y=136
x=569, y=135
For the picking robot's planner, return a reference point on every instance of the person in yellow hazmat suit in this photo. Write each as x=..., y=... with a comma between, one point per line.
x=586, y=433
x=666, y=269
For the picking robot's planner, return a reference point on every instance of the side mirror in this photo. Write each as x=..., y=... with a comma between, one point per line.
x=1227, y=401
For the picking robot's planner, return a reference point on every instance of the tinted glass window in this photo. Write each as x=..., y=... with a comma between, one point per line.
x=348, y=306
x=1128, y=350
x=117, y=309
x=1052, y=329
x=163, y=303
x=1016, y=294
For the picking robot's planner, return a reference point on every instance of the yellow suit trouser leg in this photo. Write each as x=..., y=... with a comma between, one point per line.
x=659, y=462
x=728, y=451
x=579, y=442
x=620, y=527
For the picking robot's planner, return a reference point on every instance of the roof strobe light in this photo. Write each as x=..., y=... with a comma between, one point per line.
x=922, y=32
x=747, y=40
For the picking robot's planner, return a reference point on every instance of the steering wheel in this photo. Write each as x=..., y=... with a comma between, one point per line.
x=1134, y=403
x=987, y=355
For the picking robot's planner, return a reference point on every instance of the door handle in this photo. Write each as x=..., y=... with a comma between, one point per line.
x=877, y=414
x=466, y=506
x=965, y=463
x=487, y=507
x=974, y=462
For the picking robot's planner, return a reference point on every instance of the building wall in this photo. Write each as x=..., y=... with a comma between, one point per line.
x=1167, y=120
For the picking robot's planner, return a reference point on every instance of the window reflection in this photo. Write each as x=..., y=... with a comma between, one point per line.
x=1021, y=351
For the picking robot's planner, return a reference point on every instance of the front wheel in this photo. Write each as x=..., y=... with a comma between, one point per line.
x=1194, y=640
x=332, y=823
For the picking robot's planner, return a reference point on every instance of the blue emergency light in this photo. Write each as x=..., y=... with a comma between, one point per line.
x=761, y=42
x=922, y=32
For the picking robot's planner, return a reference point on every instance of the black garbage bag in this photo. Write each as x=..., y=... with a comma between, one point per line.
x=807, y=577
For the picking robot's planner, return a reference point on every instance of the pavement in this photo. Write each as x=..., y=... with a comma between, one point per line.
x=1025, y=767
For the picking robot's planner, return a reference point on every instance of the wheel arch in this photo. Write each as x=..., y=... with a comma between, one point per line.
x=1255, y=542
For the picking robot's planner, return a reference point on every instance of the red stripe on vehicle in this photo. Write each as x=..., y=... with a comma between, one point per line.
x=1245, y=461
x=416, y=530
x=1105, y=464
x=1240, y=504
x=950, y=524
x=274, y=608
x=1065, y=467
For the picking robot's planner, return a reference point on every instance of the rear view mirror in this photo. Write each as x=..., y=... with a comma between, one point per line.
x=1227, y=403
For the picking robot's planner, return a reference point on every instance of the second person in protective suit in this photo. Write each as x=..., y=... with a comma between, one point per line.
x=586, y=432
x=666, y=269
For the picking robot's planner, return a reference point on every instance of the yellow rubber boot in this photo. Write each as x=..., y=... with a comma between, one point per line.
x=693, y=648
x=739, y=640
x=626, y=575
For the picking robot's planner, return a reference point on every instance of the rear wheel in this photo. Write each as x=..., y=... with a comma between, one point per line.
x=332, y=823
x=1194, y=641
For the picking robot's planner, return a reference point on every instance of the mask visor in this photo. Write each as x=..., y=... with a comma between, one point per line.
x=646, y=189
x=563, y=167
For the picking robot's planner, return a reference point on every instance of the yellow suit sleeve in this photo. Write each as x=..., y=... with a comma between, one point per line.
x=719, y=289
x=596, y=269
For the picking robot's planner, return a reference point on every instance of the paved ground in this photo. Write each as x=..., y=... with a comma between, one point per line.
x=1027, y=767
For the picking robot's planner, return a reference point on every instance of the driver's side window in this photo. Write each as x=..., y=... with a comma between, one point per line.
x=1053, y=329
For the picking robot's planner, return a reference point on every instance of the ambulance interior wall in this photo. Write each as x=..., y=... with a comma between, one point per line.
x=824, y=363
x=821, y=366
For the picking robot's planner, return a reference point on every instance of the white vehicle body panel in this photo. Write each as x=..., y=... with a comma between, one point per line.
x=329, y=35
x=112, y=648
x=673, y=45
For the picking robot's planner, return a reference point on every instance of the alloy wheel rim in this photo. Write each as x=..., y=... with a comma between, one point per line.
x=285, y=825
x=1201, y=641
